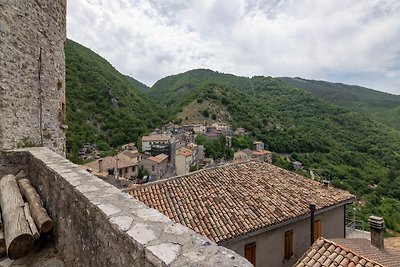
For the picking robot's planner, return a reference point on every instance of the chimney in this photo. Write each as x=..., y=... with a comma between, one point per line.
x=377, y=226
x=101, y=166
x=325, y=183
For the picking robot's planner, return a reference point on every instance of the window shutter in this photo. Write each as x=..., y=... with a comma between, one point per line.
x=250, y=253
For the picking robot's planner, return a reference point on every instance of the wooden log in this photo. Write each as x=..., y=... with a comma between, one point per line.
x=3, y=250
x=38, y=212
x=31, y=222
x=18, y=237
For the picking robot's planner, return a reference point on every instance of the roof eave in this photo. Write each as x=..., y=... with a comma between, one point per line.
x=293, y=220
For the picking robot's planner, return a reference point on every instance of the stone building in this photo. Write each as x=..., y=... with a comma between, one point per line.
x=95, y=224
x=258, y=210
x=32, y=67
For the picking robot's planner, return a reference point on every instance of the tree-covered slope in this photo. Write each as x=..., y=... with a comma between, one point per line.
x=139, y=85
x=103, y=107
x=353, y=151
x=380, y=106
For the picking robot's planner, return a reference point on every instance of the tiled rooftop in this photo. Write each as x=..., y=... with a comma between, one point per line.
x=230, y=201
x=158, y=158
x=386, y=257
x=156, y=137
x=327, y=253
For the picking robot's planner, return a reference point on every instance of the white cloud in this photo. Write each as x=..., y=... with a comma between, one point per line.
x=346, y=41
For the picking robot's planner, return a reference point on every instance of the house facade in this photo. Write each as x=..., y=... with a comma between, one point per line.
x=269, y=215
x=290, y=239
x=156, y=166
x=157, y=144
x=183, y=160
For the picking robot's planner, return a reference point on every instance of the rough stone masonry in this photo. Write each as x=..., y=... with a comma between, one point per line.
x=32, y=74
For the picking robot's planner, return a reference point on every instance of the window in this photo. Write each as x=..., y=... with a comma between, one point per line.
x=288, y=244
x=317, y=229
x=153, y=168
x=250, y=253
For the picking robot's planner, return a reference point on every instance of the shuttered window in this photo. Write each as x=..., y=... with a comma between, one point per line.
x=317, y=229
x=288, y=244
x=250, y=253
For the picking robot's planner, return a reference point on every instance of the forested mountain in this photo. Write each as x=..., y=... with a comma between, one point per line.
x=103, y=107
x=139, y=85
x=380, y=106
x=347, y=147
x=353, y=151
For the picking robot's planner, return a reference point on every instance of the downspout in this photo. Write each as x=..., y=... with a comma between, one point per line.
x=312, y=212
x=344, y=221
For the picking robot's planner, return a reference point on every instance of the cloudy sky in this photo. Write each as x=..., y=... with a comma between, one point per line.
x=355, y=42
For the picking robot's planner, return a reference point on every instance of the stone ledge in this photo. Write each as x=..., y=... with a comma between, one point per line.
x=110, y=227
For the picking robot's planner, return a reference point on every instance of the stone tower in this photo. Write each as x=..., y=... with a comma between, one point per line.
x=32, y=74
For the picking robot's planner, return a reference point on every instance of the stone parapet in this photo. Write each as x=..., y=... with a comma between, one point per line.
x=98, y=225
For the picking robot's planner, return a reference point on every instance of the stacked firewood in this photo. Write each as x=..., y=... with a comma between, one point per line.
x=24, y=218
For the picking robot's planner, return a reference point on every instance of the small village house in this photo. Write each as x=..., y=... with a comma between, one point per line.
x=358, y=252
x=199, y=129
x=264, y=213
x=262, y=155
x=258, y=145
x=183, y=161
x=157, y=144
x=240, y=156
x=155, y=166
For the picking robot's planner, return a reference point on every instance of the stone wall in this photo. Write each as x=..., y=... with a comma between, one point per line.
x=98, y=225
x=32, y=74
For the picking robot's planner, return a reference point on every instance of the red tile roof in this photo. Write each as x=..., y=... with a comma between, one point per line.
x=230, y=201
x=185, y=153
x=328, y=253
x=261, y=152
x=386, y=257
x=159, y=158
x=156, y=137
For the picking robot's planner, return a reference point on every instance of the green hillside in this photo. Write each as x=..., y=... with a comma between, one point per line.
x=103, y=107
x=380, y=106
x=139, y=85
x=353, y=151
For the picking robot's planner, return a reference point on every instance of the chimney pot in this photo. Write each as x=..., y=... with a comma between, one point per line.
x=377, y=226
x=101, y=166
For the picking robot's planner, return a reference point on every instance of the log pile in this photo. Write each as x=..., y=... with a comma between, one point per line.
x=22, y=222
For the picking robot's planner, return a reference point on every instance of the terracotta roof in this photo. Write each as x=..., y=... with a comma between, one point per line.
x=230, y=201
x=156, y=137
x=108, y=163
x=155, y=159
x=131, y=154
x=328, y=253
x=386, y=257
x=162, y=157
x=185, y=153
x=261, y=152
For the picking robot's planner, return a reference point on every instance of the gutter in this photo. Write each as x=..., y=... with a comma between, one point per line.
x=290, y=221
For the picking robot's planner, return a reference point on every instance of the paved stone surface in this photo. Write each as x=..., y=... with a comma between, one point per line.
x=109, y=209
x=124, y=221
x=144, y=233
x=166, y=252
x=151, y=215
x=98, y=225
x=46, y=257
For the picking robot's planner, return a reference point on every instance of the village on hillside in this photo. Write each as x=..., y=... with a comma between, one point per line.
x=171, y=151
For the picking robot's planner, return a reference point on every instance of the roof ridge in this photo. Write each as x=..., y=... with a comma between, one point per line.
x=187, y=175
x=351, y=251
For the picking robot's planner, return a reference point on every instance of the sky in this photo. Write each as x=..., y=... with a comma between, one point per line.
x=353, y=42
